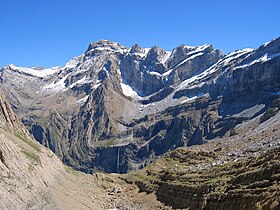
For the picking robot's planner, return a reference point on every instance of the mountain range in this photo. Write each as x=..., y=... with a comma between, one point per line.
x=116, y=109
x=186, y=129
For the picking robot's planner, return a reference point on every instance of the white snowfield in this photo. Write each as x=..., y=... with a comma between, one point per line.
x=55, y=87
x=84, y=80
x=128, y=91
x=266, y=57
x=83, y=100
x=36, y=72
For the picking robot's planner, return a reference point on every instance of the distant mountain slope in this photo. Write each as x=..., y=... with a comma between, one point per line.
x=116, y=109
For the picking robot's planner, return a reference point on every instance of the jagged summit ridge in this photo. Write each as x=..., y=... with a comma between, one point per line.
x=149, y=64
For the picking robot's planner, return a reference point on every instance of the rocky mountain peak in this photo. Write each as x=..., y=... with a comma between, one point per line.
x=136, y=49
x=105, y=45
x=7, y=116
x=183, y=52
x=272, y=47
x=155, y=54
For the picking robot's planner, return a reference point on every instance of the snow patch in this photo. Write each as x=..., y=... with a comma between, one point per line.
x=110, y=47
x=119, y=71
x=235, y=54
x=190, y=47
x=143, y=54
x=195, y=52
x=167, y=73
x=107, y=72
x=83, y=100
x=120, y=50
x=55, y=87
x=143, y=106
x=128, y=91
x=154, y=73
x=267, y=43
x=266, y=57
x=96, y=86
x=196, y=49
x=36, y=72
x=84, y=80
x=189, y=99
x=188, y=59
x=165, y=57
x=199, y=49
x=192, y=98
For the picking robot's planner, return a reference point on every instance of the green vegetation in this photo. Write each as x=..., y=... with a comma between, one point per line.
x=145, y=181
x=109, y=143
x=113, y=129
x=188, y=175
x=69, y=169
x=31, y=156
x=22, y=137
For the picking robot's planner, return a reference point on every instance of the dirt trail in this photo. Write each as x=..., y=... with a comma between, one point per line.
x=100, y=191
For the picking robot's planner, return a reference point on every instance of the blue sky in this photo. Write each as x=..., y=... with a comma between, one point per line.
x=50, y=32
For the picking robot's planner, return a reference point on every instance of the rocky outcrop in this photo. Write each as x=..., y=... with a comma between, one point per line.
x=241, y=185
x=27, y=169
x=272, y=110
x=8, y=118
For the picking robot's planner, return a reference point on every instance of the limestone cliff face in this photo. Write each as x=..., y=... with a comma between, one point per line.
x=242, y=73
x=156, y=68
